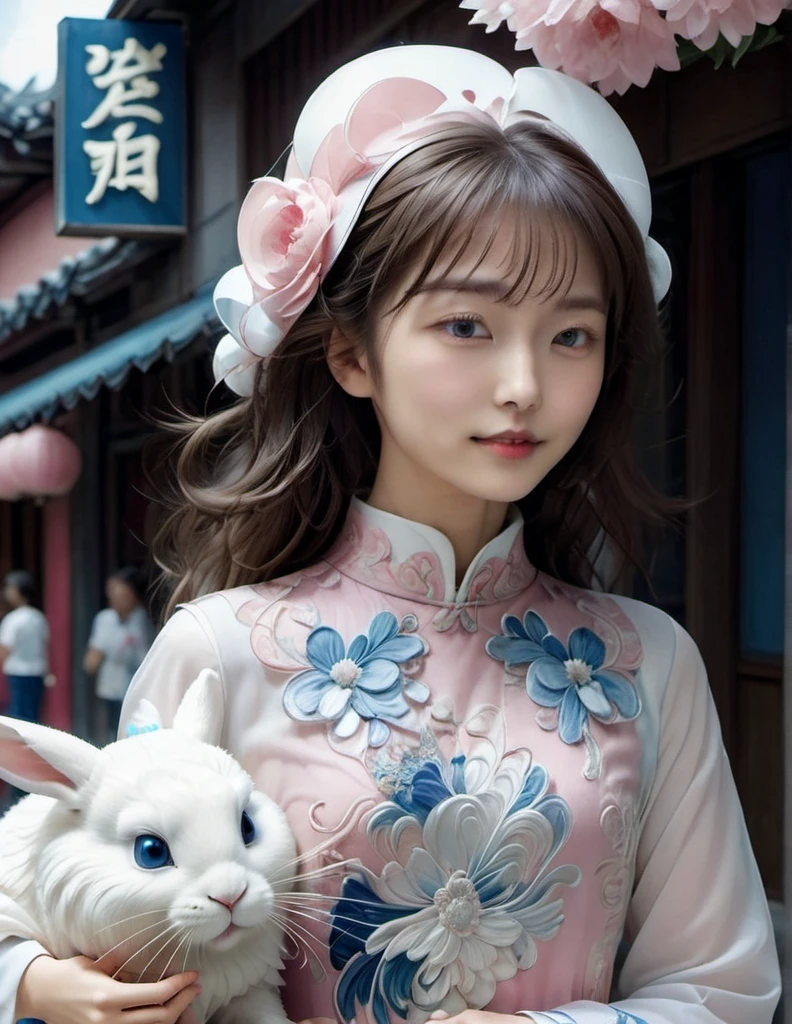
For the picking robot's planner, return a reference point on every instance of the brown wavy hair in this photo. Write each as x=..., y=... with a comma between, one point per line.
x=262, y=489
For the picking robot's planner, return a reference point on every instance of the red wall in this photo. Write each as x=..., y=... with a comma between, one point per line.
x=57, y=608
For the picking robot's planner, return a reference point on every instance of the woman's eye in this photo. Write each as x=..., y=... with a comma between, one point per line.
x=464, y=328
x=152, y=852
x=248, y=829
x=574, y=337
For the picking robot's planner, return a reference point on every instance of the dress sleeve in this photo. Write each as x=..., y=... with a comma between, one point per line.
x=181, y=651
x=703, y=950
x=99, y=638
x=7, y=631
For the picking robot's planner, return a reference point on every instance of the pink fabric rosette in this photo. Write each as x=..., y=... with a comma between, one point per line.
x=282, y=234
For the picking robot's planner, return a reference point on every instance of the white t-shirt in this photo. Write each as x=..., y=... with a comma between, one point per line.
x=26, y=633
x=124, y=645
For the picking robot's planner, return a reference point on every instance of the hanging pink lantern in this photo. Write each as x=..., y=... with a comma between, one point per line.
x=40, y=462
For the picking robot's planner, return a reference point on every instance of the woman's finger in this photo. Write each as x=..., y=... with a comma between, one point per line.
x=167, y=1014
x=157, y=993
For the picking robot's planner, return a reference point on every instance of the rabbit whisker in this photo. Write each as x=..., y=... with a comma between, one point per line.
x=317, y=920
x=314, y=873
x=187, y=935
x=299, y=898
x=128, y=938
x=161, y=949
x=137, y=952
x=307, y=897
x=187, y=951
x=125, y=920
x=295, y=938
x=299, y=934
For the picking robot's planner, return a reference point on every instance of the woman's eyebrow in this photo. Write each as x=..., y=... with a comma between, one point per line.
x=488, y=287
x=495, y=290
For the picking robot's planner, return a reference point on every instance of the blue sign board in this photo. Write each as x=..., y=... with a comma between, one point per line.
x=120, y=136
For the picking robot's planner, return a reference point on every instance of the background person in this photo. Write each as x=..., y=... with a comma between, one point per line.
x=24, y=646
x=120, y=637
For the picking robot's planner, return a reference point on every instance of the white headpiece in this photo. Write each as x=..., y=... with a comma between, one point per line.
x=381, y=107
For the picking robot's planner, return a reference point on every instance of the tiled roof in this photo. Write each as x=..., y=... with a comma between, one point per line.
x=73, y=276
x=26, y=115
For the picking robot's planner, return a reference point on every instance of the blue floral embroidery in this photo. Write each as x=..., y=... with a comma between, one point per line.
x=572, y=680
x=360, y=683
x=622, y=1017
x=466, y=898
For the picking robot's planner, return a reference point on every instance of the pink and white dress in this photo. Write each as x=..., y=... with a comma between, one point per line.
x=523, y=772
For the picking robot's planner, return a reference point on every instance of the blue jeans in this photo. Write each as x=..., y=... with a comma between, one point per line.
x=26, y=694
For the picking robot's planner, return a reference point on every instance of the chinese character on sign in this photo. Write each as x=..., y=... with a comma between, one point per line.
x=127, y=160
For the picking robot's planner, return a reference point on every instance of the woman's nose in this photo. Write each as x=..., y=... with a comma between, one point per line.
x=518, y=378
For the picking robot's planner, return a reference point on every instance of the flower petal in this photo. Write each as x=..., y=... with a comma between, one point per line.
x=513, y=650
x=535, y=627
x=390, y=704
x=620, y=692
x=592, y=697
x=347, y=723
x=378, y=732
x=334, y=702
x=554, y=648
x=378, y=675
x=417, y=691
x=324, y=647
x=403, y=647
x=586, y=645
x=550, y=672
x=571, y=718
x=384, y=626
x=357, y=649
x=304, y=692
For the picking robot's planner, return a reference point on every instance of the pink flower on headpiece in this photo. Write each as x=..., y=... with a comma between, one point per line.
x=612, y=43
x=282, y=234
x=489, y=13
x=702, y=20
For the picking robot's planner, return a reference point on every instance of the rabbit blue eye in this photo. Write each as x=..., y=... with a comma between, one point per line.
x=152, y=852
x=248, y=829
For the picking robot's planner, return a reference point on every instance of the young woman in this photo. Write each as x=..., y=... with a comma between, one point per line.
x=388, y=551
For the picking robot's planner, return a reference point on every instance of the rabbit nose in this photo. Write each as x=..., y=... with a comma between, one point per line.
x=229, y=901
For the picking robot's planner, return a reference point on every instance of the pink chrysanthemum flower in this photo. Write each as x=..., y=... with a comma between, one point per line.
x=612, y=43
x=703, y=20
x=489, y=13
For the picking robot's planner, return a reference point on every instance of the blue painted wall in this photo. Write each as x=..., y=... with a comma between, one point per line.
x=766, y=283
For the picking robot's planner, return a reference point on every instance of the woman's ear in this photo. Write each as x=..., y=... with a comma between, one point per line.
x=348, y=366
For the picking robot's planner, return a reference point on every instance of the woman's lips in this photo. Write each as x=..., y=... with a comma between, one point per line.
x=507, y=447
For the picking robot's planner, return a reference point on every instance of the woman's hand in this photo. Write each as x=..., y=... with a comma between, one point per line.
x=481, y=1017
x=77, y=991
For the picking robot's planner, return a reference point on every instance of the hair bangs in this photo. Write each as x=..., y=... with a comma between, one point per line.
x=470, y=200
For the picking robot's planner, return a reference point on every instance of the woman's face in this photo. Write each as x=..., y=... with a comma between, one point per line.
x=478, y=399
x=12, y=595
x=121, y=597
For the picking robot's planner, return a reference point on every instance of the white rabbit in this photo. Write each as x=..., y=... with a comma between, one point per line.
x=156, y=847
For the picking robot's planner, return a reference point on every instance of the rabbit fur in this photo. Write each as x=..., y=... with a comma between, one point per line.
x=69, y=859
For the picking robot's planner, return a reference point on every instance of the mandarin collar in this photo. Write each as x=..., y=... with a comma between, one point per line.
x=409, y=559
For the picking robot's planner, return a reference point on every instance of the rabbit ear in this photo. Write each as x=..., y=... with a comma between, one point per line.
x=42, y=760
x=202, y=709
